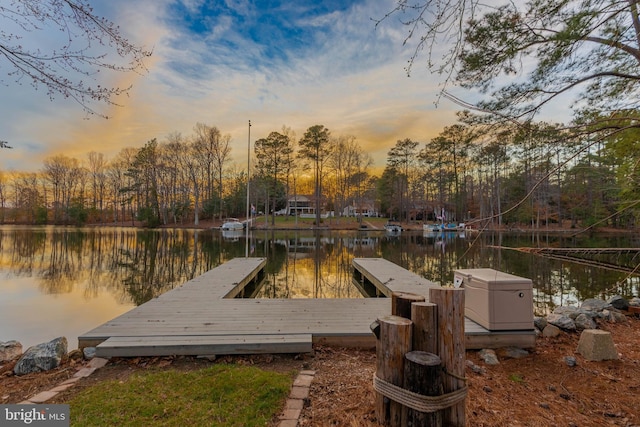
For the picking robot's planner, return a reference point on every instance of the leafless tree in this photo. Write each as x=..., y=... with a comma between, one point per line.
x=97, y=171
x=91, y=44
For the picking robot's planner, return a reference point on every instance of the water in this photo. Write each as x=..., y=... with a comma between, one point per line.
x=65, y=281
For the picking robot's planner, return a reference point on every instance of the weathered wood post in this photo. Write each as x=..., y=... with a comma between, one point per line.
x=424, y=316
x=401, y=303
x=423, y=375
x=451, y=346
x=394, y=340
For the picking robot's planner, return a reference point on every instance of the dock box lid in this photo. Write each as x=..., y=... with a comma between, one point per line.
x=493, y=279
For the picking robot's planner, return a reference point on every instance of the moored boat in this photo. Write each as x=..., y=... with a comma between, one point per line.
x=232, y=224
x=393, y=227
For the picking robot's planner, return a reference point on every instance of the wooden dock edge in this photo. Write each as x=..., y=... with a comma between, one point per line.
x=388, y=277
x=364, y=273
x=254, y=274
x=199, y=345
x=522, y=339
x=364, y=341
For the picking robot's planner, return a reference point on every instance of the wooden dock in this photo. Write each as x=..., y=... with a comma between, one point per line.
x=201, y=317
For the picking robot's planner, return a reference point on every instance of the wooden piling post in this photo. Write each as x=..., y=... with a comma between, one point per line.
x=422, y=375
x=394, y=341
x=451, y=347
x=424, y=316
x=401, y=303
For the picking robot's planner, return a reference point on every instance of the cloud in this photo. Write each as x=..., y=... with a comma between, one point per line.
x=296, y=64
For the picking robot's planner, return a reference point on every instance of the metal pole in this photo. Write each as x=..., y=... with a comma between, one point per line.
x=248, y=222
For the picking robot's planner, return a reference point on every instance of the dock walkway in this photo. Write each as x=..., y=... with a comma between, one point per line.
x=201, y=317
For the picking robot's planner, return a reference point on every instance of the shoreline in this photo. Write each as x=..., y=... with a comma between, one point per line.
x=339, y=224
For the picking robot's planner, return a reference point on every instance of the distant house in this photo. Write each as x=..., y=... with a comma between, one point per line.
x=365, y=208
x=301, y=206
x=304, y=207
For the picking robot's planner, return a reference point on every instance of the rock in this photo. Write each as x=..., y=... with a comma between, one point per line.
x=75, y=355
x=89, y=352
x=475, y=368
x=616, y=317
x=585, y=322
x=594, y=304
x=570, y=312
x=9, y=350
x=618, y=302
x=513, y=352
x=570, y=361
x=42, y=357
x=596, y=345
x=551, y=331
x=539, y=322
x=588, y=313
x=634, y=302
x=545, y=406
x=209, y=357
x=561, y=321
x=489, y=356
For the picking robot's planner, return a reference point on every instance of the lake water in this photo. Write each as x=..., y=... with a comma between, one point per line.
x=58, y=281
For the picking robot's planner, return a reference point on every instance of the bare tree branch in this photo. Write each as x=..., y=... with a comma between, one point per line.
x=92, y=44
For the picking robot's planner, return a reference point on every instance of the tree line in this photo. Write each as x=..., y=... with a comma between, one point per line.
x=182, y=180
x=538, y=175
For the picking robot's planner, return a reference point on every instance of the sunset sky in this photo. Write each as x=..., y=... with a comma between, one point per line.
x=222, y=63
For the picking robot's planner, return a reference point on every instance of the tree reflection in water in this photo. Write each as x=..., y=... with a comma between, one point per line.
x=135, y=265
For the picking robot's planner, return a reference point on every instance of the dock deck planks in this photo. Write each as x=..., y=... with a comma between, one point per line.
x=200, y=318
x=389, y=277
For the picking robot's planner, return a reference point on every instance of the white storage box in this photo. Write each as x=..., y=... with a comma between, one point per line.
x=496, y=300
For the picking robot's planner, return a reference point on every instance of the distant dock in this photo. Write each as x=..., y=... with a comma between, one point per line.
x=202, y=317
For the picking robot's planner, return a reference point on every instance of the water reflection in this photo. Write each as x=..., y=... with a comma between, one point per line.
x=318, y=265
x=132, y=266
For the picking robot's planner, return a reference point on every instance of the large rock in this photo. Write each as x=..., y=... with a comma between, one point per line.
x=42, y=357
x=619, y=302
x=9, y=350
x=585, y=322
x=614, y=316
x=539, y=322
x=597, y=345
x=569, y=311
x=551, y=331
x=594, y=304
x=561, y=321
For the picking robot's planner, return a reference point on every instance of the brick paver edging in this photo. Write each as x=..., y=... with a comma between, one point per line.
x=295, y=402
